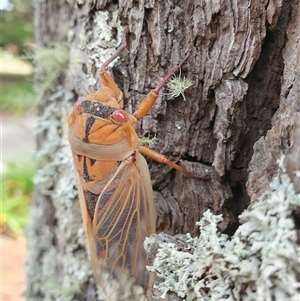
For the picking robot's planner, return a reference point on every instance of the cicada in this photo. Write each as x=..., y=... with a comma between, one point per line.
x=114, y=185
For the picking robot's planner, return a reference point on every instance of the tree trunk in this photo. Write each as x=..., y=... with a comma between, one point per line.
x=236, y=120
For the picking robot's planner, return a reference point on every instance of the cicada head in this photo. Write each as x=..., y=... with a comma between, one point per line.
x=106, y=96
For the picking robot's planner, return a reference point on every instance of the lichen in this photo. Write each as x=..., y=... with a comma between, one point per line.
x=58, y=265
x=259, y=262
x=99, y=43
x=53, y=61
x=54, y=155
x=148, y=141
x=177, y=85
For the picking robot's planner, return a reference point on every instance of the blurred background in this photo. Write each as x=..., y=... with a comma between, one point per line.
x=18, y=119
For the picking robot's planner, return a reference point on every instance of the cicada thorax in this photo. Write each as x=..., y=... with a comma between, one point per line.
x=101, y=136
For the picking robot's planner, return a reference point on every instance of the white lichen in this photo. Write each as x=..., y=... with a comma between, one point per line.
x=55, y=154
x=101, y=41
x=147, y=141
x=177, y=85
x=58, y=248
x=260, y=262
x=58, y=266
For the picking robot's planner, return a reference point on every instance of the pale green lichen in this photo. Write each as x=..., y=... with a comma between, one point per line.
x=147, y=141
x=54, y=155
x=260, y=262
x=56, y=180
x=58, y=267
x=177, y=85
x=53, y=61
x=101, y=41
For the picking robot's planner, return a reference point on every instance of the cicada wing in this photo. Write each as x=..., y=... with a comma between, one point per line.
x=87, y=221
x=124, y=216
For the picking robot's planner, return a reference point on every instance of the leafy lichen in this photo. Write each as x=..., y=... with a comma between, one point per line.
x=58, y=248
x=260, y=262
x=100, y=42
x=54, y=154
x=58, y=267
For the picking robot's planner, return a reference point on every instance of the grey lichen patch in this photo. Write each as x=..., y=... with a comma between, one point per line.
x=47, y=258
x=55, y=154
x=101, y=40
x=80, y=2
x=260, y=262
x=58, y=265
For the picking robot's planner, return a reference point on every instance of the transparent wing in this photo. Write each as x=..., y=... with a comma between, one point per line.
x=124, y=216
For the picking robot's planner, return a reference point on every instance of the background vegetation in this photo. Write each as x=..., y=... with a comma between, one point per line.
x=16, y=98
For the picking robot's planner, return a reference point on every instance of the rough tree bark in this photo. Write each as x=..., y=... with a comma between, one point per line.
x=236, y=121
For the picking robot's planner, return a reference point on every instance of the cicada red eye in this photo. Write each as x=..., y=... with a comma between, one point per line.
x=77, y=105
x=120, y=116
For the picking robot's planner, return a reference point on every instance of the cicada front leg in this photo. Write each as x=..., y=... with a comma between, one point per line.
x=106, y=79
x=144, y=108
x=150, y=99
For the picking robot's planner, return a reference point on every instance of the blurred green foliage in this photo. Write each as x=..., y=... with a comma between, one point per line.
x=17, y=28
x=16, y=95
x=16, y=189
x=17, y=98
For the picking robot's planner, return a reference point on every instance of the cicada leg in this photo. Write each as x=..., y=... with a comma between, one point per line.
x=162, y=159
x=105, y=78
x=150, y=99
x=144, y=108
